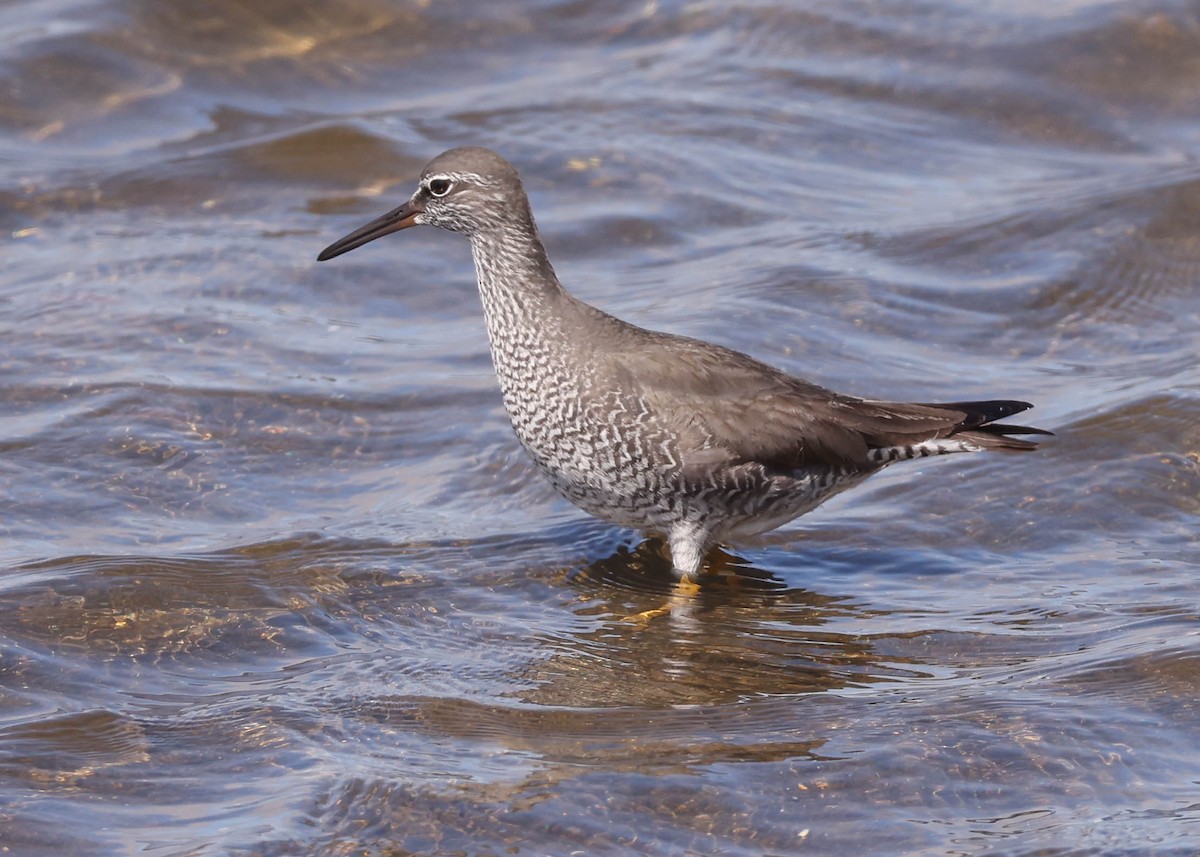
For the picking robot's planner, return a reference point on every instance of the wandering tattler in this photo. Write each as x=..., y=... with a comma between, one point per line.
x=649, y=430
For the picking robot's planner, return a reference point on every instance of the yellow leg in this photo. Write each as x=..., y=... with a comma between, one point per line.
x=687, y=586
x=684, y=591
x=645, y=616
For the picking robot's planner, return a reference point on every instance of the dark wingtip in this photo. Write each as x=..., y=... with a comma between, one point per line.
x=1001, y=436
x=981, y=421
x=1003, y=428
x=985, y=413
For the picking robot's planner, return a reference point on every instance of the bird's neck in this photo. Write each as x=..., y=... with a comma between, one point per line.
x=517, y=284
x=532, y=322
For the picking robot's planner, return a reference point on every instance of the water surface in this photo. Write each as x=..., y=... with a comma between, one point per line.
x=277, y=579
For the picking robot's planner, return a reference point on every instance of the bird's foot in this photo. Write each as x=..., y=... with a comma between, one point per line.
x=684, y=593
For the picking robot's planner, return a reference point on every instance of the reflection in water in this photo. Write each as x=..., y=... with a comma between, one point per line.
x=298, y=653
x=62, y=751
x=647, y=567
x=741, y=633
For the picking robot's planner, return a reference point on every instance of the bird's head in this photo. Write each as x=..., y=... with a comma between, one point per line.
x=468, y=190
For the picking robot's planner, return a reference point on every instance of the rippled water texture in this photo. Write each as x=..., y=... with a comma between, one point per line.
x=277, y=579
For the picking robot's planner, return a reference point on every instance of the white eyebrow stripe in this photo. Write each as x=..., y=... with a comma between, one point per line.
x=473, y=178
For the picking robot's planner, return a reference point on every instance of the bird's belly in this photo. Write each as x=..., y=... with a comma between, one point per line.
x=605, y=475
x=785, y=498
x=603, y=461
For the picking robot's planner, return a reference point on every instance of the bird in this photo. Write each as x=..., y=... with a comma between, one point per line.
x=674, y=436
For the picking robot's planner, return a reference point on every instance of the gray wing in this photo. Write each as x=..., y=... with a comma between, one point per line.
x=728, y=407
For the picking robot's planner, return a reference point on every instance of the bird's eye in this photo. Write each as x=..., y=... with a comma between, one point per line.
x=439, y=187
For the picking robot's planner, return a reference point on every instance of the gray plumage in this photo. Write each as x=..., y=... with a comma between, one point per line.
x=662, y=433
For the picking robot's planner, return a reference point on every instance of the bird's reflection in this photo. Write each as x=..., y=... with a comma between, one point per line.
x=647, y=567
x=740, y=632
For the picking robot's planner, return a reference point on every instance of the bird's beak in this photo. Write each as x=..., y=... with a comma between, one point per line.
x=395, y=220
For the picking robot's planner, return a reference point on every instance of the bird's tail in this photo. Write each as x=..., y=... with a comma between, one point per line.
x=980, y=426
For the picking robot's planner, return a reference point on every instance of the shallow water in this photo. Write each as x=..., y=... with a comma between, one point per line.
x=278, y=580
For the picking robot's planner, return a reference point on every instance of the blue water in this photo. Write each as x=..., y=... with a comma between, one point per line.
x=277, y=579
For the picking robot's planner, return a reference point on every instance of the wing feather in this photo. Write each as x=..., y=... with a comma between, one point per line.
x=728, y=406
